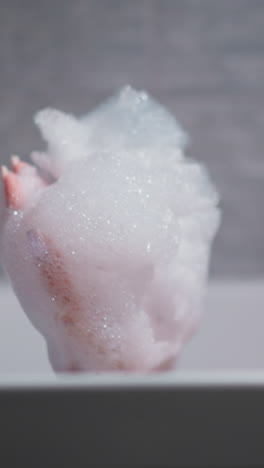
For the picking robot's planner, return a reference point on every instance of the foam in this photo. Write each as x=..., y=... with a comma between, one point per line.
x=133, y=219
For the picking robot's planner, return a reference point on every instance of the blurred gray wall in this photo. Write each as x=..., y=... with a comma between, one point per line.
x=203, y=59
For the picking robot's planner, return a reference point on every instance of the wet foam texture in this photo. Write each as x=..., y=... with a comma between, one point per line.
x=109, y=258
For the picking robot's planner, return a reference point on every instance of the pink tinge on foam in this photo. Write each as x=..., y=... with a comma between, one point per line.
x=20, y=183
x=55, y=279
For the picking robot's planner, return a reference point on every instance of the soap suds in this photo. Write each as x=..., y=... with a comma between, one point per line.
x=132, y=219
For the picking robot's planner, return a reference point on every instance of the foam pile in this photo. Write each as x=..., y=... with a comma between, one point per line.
x=109, y=259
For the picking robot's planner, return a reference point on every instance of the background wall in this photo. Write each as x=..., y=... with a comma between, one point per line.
x=203, y=59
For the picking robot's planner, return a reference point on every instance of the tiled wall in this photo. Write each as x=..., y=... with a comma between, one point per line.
x=203, y=59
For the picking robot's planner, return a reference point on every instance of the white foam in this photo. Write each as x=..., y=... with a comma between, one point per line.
x=133, y=219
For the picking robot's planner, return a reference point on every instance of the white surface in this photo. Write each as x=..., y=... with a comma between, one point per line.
x=231, y=335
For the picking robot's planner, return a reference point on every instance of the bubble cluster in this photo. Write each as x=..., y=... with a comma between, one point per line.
x=133, y=219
